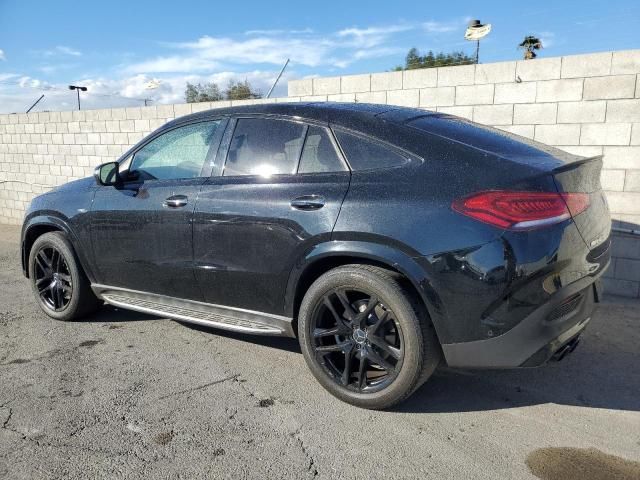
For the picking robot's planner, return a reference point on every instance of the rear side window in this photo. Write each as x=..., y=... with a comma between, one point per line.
x=319, y=154
x=264, y=146
x=364, y=154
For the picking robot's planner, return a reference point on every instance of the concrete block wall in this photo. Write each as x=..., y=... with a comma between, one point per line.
x=585, y=104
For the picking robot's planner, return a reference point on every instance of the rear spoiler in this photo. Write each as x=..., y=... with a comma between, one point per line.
x=575, y=164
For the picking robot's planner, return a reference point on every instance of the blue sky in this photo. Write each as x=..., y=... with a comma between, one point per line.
x=116, y=48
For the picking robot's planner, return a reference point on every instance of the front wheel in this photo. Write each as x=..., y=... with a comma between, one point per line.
x=364, y=337
x=59, y=285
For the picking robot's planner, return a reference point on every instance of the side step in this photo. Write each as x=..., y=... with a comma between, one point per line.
x=218, y=316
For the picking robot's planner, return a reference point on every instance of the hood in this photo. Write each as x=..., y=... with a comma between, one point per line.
x=75, y=185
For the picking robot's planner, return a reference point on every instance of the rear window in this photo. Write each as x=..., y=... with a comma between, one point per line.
x=365, y=154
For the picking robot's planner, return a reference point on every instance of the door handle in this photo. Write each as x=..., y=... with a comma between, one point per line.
x=308, y=202
x=175, y=201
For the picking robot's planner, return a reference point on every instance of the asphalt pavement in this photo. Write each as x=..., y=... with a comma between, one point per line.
x=127, y=395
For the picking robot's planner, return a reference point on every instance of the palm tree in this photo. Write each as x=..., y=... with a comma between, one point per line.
x=529, y=44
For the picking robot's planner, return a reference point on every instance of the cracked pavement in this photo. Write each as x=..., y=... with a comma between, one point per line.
x=127, y=395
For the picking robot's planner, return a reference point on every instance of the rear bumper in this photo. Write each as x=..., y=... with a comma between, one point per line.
x=538, y=337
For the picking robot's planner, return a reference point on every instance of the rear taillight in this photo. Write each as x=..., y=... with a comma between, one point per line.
x=521, y=210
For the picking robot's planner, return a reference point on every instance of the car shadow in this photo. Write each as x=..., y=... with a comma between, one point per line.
x=110, y=314
x=586, y=378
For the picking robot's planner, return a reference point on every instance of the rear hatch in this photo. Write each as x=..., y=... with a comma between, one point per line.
x=583, y=176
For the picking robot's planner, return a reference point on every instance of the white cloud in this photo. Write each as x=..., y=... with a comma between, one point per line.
x=548, y=39
x=433, y=26
x=2, y=56
x=61, y=50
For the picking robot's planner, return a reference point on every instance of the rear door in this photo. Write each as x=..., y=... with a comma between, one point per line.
x=279, y=193
x=141, y=231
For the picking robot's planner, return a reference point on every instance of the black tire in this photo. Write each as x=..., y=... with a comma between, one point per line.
x=416, y=351
x=60, y=286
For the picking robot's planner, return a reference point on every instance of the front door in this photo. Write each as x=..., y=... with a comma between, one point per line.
x=279, y=194
x=141, y=231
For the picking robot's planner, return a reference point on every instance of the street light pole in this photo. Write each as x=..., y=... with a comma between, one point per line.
x=78, y=89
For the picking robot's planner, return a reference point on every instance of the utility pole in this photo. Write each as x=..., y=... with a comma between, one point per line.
x=36, y=102
x=78, y=89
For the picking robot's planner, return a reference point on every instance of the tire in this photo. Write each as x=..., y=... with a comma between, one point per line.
x=405, y=358
x=60, y=286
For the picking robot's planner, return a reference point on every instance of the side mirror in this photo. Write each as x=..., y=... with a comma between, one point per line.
x=107, y=174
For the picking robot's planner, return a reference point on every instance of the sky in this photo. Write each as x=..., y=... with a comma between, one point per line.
x=118, y=49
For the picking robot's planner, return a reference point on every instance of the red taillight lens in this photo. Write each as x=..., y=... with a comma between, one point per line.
x=521, y=210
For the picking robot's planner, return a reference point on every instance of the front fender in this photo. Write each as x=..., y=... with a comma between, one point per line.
x=51, y=220
x=414, y=268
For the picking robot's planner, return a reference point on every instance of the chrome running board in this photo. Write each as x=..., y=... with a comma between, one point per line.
x=218, y=316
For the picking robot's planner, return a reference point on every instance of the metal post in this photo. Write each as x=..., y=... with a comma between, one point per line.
x=276, y=82
x=477, y=51
x=78, y=92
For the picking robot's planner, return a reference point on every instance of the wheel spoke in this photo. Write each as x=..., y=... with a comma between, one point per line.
x=60, y=296
x=43, y=284
x=378, y=360
x=381, y=319
x=41, y=261
x=336, y=347
x=362, y=372
x=65, y=277
x=363, y=315
x=348, y=357
x=328, y=332
x=349, y=312
x=339, y=320
x=384, y=345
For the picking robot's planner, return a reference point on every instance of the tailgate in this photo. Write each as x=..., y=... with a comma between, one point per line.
x=583, y=176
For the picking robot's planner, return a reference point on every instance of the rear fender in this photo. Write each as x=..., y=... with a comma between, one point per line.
x=352, y=252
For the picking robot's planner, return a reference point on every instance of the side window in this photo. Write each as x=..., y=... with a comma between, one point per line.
x=319, y=154
x=263, y=146
x=179, y=153
x=364, y=154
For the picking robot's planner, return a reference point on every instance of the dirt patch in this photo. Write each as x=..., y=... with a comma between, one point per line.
x=90, y=343
x=266, y=402
x=163, y=438
x=580, y=464
x=218, y=452
x=18, y=361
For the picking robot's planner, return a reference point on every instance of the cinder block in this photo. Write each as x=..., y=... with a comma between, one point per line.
x=493, y=114
x=200, y=106
x=605, y=134
x=314, y=98
x=326, y=85
x=165, y=111
x=623, y=110
x=404, y=98
x=296, y=88
x=613, y=86
x=612, y=180
x=500, y=72
x=458, y=75
x=141, y=125
x=632, y=181
x=420, y=78
x=624, y=202
x=474, y=95
x=106, y=138
x=623, y=288
x=582, y=151
x=182, y=109
x=565, y=134
x=149, y=112
x=112, y=126
x=342, y=97
x=535, y=113
x=626, y=61
x=118, y=114
x=516, y=93
x=538, y=69
x=582, y=112
x=437, y=97
x=635, y=134
x=386, y=81
x=590, y=65
x=371, y=97
x=134, y=113
x=463, y=112
x=559, y=90
x=522, y=130
x=355, y=83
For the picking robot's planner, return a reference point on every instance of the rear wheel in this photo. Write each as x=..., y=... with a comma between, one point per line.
x=364, y=337
x=61, y=288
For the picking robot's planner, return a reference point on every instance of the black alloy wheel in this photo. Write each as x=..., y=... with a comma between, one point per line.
x=357, y=340
x=53, y=279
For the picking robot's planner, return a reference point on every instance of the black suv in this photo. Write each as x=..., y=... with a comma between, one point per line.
x=386, y=239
